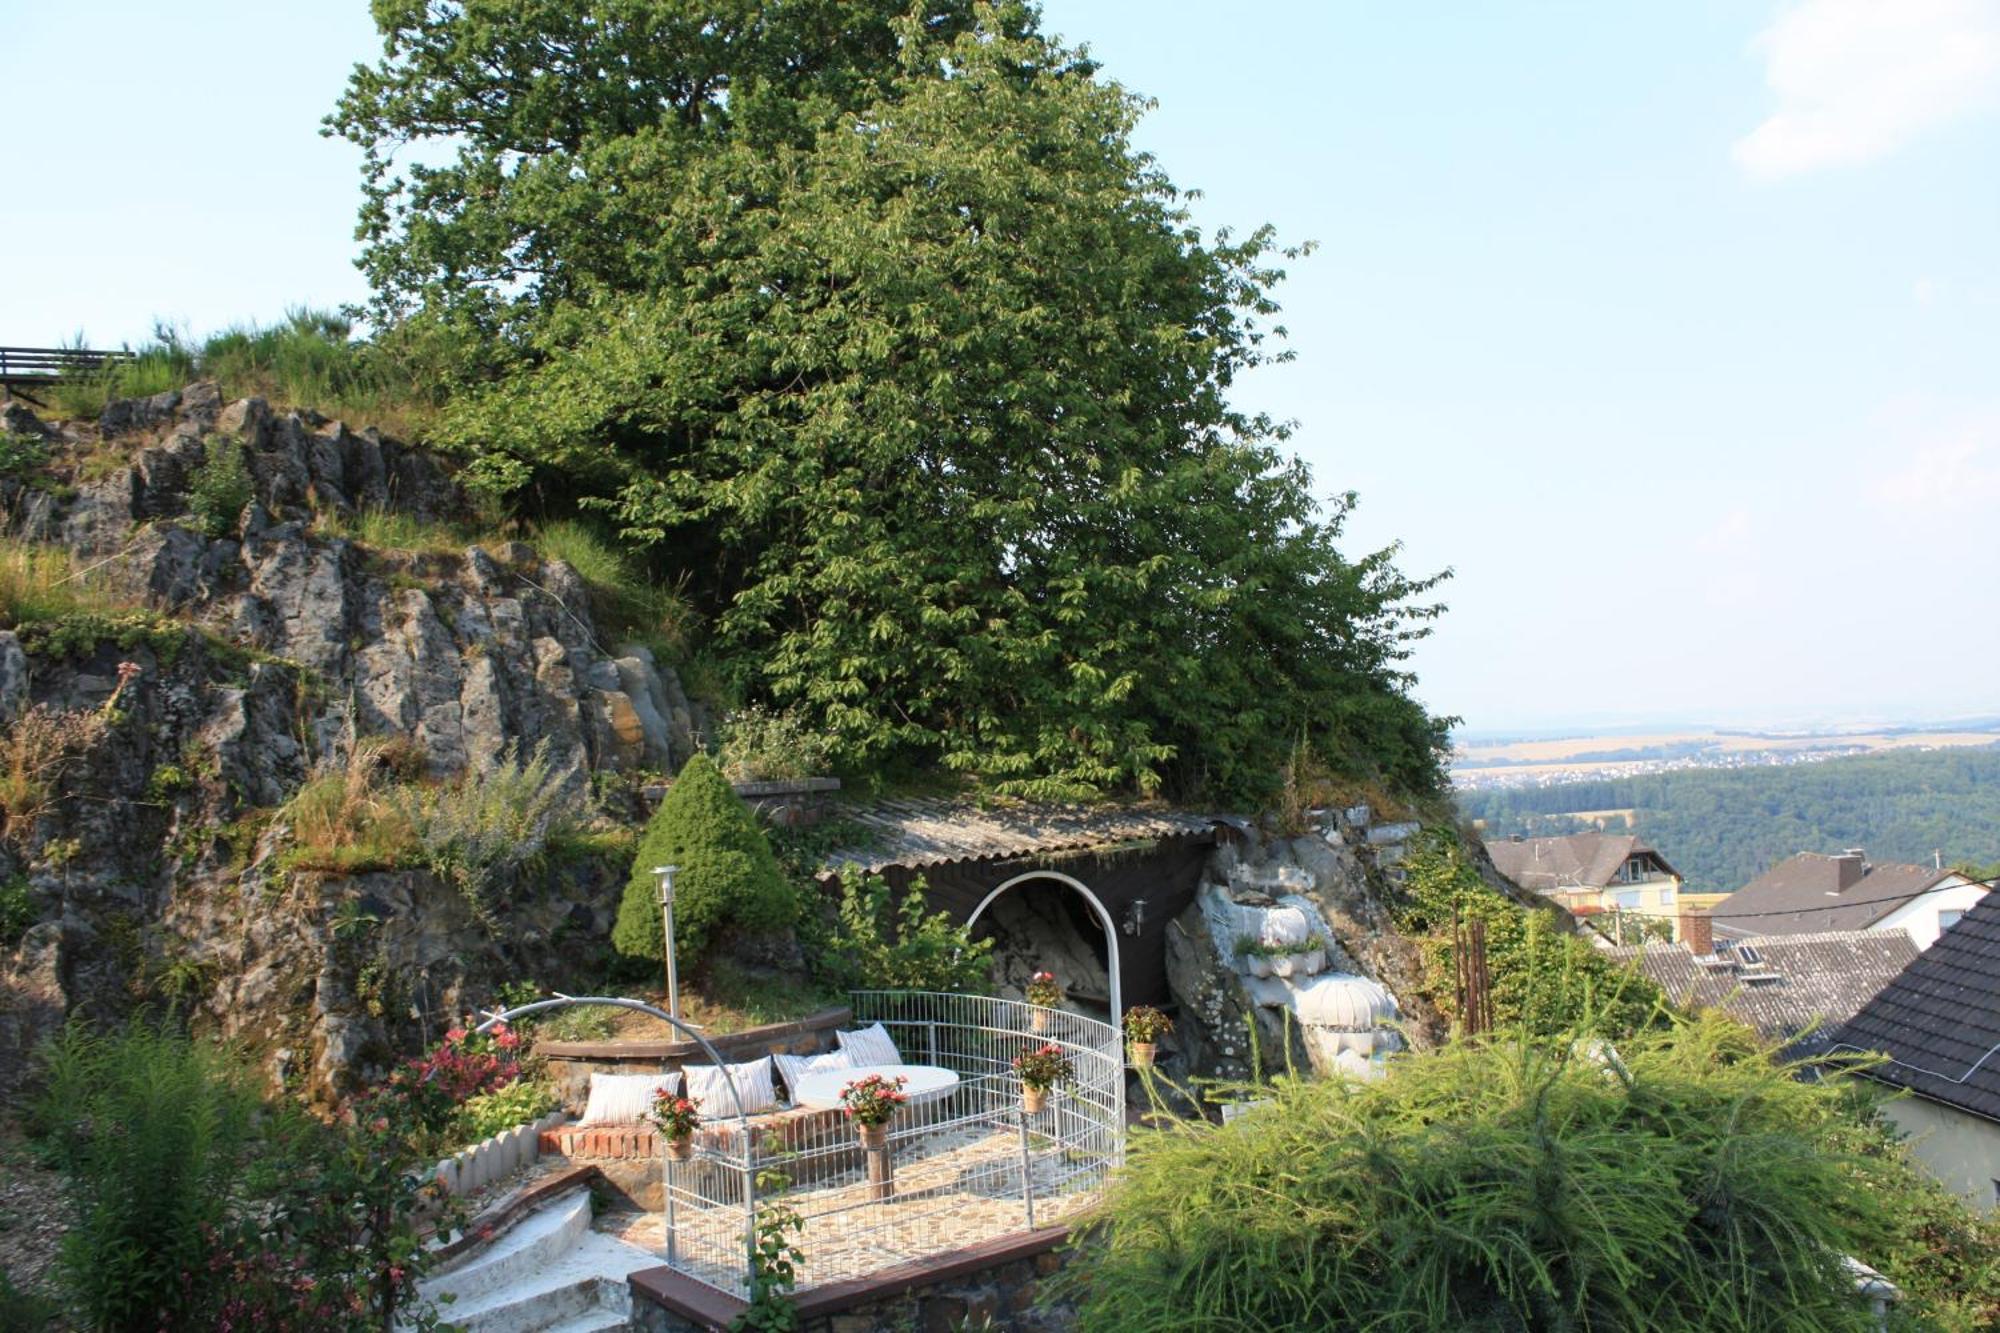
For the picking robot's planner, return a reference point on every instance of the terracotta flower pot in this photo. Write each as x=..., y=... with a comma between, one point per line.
x=1034, y=1099
x=680, y=1147
x=881, y=1166
x=1038, y=1020
x=1142, y=1054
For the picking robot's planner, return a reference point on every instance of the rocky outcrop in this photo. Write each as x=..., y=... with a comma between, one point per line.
x=260, y=647
x=1289, y=955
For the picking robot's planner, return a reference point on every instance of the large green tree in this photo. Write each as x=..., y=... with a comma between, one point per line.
x=879, y=328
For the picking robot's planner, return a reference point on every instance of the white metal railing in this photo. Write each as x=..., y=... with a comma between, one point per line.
x=961, y=1166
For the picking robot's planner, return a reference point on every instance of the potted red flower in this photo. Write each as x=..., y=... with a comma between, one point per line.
x=872, y=1102
x=1144, y=1026
x=676, y=1116
x=1045, y=993
x=1039, y=1070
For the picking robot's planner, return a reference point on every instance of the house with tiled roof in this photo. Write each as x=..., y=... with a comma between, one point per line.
x=1937, y=1025
x=1811, y=893
x=1595, y=874
x=1796, y=990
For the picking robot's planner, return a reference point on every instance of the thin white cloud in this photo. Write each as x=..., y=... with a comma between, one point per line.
x=1952, y=466
x=1856, y=79
x=1726, y=534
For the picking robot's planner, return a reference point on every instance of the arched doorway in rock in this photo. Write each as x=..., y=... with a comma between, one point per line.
x=1044, y=919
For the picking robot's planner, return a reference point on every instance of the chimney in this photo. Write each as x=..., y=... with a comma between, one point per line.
x=1697, y=931
x=1848, y=869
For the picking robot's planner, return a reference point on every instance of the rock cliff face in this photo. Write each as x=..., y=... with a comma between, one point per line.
x=265, y=646
x=1291, y=937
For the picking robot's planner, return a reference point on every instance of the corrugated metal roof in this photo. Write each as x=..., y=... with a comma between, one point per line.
x=926, y=832
x=1940, y=1020
x=1795, y=982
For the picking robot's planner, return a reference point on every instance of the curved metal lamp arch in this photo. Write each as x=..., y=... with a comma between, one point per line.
x=1097, y=908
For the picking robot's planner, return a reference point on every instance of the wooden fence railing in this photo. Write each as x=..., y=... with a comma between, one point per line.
x=44, y=365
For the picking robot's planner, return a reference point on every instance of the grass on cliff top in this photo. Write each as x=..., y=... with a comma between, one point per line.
x=308, y=359
x=625, y=601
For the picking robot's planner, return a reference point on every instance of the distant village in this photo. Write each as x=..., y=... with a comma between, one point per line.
x=1827, y=953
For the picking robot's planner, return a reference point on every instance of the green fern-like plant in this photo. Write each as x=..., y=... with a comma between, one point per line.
x=220, y=488
x=728, y=875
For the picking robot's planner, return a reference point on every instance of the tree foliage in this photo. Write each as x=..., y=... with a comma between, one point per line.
x=878, y=944
x=872, y=321
x=1721, y=828
x=1545, y=979
x=1691, y=1183
x=728, y=876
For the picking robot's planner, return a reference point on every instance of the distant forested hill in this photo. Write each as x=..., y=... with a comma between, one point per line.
x=1722, y=827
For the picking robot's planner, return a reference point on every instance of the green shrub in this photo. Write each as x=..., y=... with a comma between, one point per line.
x=728, y=876
x=877, y=945
x=492, y=1113
x=485, y=827
x=24, y=1311
x=1688, y=1183
x=219, y=488
x=1542, y=976
x=17, y=910
x=151, y=1132
x=21, y=455
x=760, y=745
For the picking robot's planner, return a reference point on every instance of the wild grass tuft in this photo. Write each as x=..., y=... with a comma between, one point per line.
x=311, y=358
x=43, y=583
x=343, y=823
x=626, y=599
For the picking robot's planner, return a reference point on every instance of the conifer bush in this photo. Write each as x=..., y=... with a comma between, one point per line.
x=1688, y=1183
x=728, y=874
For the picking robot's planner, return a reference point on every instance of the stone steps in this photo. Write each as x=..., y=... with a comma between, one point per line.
x=549, y=1274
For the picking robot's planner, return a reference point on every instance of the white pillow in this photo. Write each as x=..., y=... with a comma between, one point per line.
x=792, y=1068
x=753, y=1081
x=624, y=1099
x=870, y=1046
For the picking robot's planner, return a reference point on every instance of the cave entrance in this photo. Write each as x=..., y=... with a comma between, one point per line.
x=1046, y=920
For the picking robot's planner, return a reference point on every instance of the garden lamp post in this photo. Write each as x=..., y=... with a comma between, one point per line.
x=666, y=901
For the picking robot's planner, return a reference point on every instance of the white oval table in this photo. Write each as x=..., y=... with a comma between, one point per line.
x=927, y=1083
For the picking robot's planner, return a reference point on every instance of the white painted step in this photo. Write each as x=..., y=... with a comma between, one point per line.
x=537, y=1240
x=598, y=1321
x=550, y=1273
x=536, y=1308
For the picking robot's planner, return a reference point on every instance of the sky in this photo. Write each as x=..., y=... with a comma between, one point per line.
x=1671, y=330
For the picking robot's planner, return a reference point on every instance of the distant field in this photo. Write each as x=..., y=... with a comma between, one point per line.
x=1587, y=754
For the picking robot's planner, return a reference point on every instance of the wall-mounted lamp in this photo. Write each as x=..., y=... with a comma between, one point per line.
x=1133, y=919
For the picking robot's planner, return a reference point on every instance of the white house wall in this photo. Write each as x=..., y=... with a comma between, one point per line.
x=1919, y=916
x=1961, y=1150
